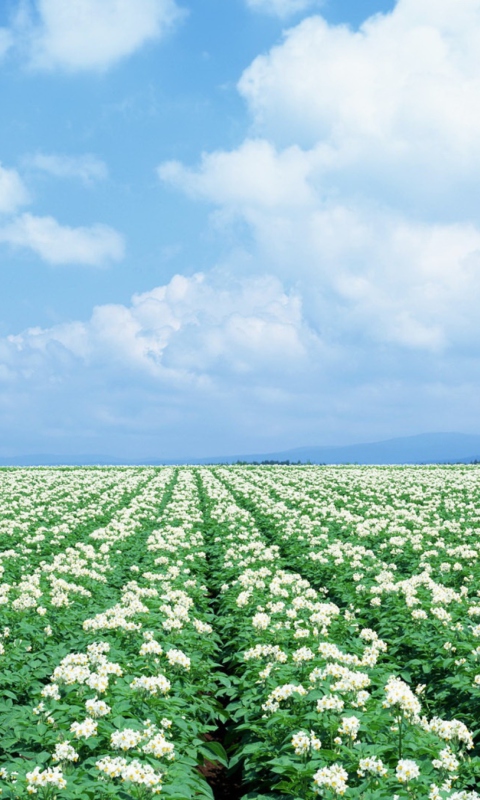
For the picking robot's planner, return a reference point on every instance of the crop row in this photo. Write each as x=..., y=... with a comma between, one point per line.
x=334, y=678
x=402, y=555
x=322, y=623
x=108, y=653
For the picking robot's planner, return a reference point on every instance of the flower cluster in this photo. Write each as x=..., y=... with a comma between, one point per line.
x=133, y=772
x=334, y=778
x=339, y=591
x=52, y=777
x=304, y=743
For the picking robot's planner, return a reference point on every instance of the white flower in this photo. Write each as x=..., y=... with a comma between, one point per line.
x=398, y=693
x=261, y=621
x=280, y=694
x=125, y=739
x=97, y=708
x=301, y=743
x=330, y=703
x=202, y=627
x=65, y=752
x=159, y=684
x=350, y=727
x=334, y=778
x=142, y=774
x=373, y=765
x=448, y=730
x=176, y=658
x=265, y=651
x=51, y=690
x=447, y=761
x=85, y=729
x=151, y=647
x=112, y=767
x=407, y=770
x=52, y=776
x=303, y=654
x=97, y=682
x=159, y=746
x=419, y=614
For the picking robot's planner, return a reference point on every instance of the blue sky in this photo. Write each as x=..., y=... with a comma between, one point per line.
x=236, y=226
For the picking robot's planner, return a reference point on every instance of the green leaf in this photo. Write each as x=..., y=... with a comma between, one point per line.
x=214, y=751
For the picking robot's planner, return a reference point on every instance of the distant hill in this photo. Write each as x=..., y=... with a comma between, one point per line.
x=425, y=448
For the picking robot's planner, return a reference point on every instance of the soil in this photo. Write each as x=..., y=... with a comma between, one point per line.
x=224, y=787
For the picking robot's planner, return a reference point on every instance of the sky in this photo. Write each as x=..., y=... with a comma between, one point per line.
x=236, y=226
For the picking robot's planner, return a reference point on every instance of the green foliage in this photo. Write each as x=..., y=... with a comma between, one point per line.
x=272, y=604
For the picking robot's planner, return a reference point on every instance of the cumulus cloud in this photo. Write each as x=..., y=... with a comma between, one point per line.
x=366, y=271
x=199, y=330
x=83, y=35
x=255, y=175
x=360, y=178
x=281, y=8
x=358, y=186
x=210, y=364
x=96, y=246
x=393, y=109
x=13, y=192
x=162, y=374
x=87, y=168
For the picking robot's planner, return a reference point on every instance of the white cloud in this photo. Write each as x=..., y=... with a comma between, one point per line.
x=358, y=186
x=193, y=330
x=254, y=175
x=88, y=168
x=396, y=281
x=373, y=273
x=6, y=41
x=393, y=109
x=360, y=179
x=210, y=364
x=94, y=34
x=281, y=8
x=13, y=192
x=96, y=246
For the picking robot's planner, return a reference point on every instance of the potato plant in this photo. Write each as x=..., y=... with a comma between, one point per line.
x=311, y=631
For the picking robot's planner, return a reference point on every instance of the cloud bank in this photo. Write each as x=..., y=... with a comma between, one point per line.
x=209, y=364
x=194, y=355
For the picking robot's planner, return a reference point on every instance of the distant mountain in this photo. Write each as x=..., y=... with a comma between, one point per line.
x=425, y=448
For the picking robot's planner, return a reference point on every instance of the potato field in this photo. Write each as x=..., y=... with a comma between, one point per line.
x=240, y=632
